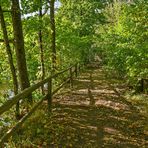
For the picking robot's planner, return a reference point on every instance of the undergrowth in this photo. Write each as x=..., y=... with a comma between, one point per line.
x=140, y=101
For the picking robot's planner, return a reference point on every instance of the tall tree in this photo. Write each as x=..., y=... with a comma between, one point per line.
x=10, y=58
x=41, y=44
x=19, y=47
x=53, y=33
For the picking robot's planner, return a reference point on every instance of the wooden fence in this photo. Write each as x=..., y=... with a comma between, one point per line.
x=72, y=70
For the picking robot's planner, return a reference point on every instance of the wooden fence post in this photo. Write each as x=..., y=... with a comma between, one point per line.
x=49, y=95
x=22, y=95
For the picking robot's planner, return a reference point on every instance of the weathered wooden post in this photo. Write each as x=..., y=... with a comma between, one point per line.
x=49, y=95
x=71, y=77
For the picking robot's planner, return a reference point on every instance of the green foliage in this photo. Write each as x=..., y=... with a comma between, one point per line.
x=80, y=31
x=75, y=23
x=123, y=40
x=5, y=4
x=75, y=27
x=117, y=31
x=5, y=74
x=32, y=6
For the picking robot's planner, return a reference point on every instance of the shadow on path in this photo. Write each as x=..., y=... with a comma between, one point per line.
x=95, y=115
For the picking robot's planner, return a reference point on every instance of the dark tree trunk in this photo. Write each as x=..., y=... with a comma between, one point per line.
x=41, y=45
x=10, y=58
x=53, y=34
x=19, y=47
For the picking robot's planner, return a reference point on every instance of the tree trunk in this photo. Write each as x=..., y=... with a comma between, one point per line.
x=10, y=59
x=53, y=34
x=41, y=46
x=19, y=47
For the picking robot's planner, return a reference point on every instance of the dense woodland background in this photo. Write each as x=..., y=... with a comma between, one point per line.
x=116, y=31
x=42, y=37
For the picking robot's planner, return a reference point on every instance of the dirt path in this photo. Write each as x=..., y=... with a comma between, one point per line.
x=92, y=115
x=96, y=115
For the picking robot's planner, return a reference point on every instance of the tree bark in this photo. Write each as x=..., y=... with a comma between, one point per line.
x=53, y=34
x=19, y=47
x=41, y=46
x=10, y=58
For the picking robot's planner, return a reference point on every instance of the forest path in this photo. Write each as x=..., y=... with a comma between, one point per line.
x=91, y=115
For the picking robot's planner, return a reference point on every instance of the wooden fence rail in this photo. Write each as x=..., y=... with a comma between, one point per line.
x=50, y=92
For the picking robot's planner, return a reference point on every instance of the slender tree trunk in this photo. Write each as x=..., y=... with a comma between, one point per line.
x=41, y=46
x=19, y=47
x=10, y=59
x=53, y=34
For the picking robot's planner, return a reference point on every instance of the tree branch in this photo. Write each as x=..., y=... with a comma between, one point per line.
x=10, y=41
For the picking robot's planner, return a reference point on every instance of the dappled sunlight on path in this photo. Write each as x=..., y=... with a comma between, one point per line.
x=92, y=114
x=97, y=116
